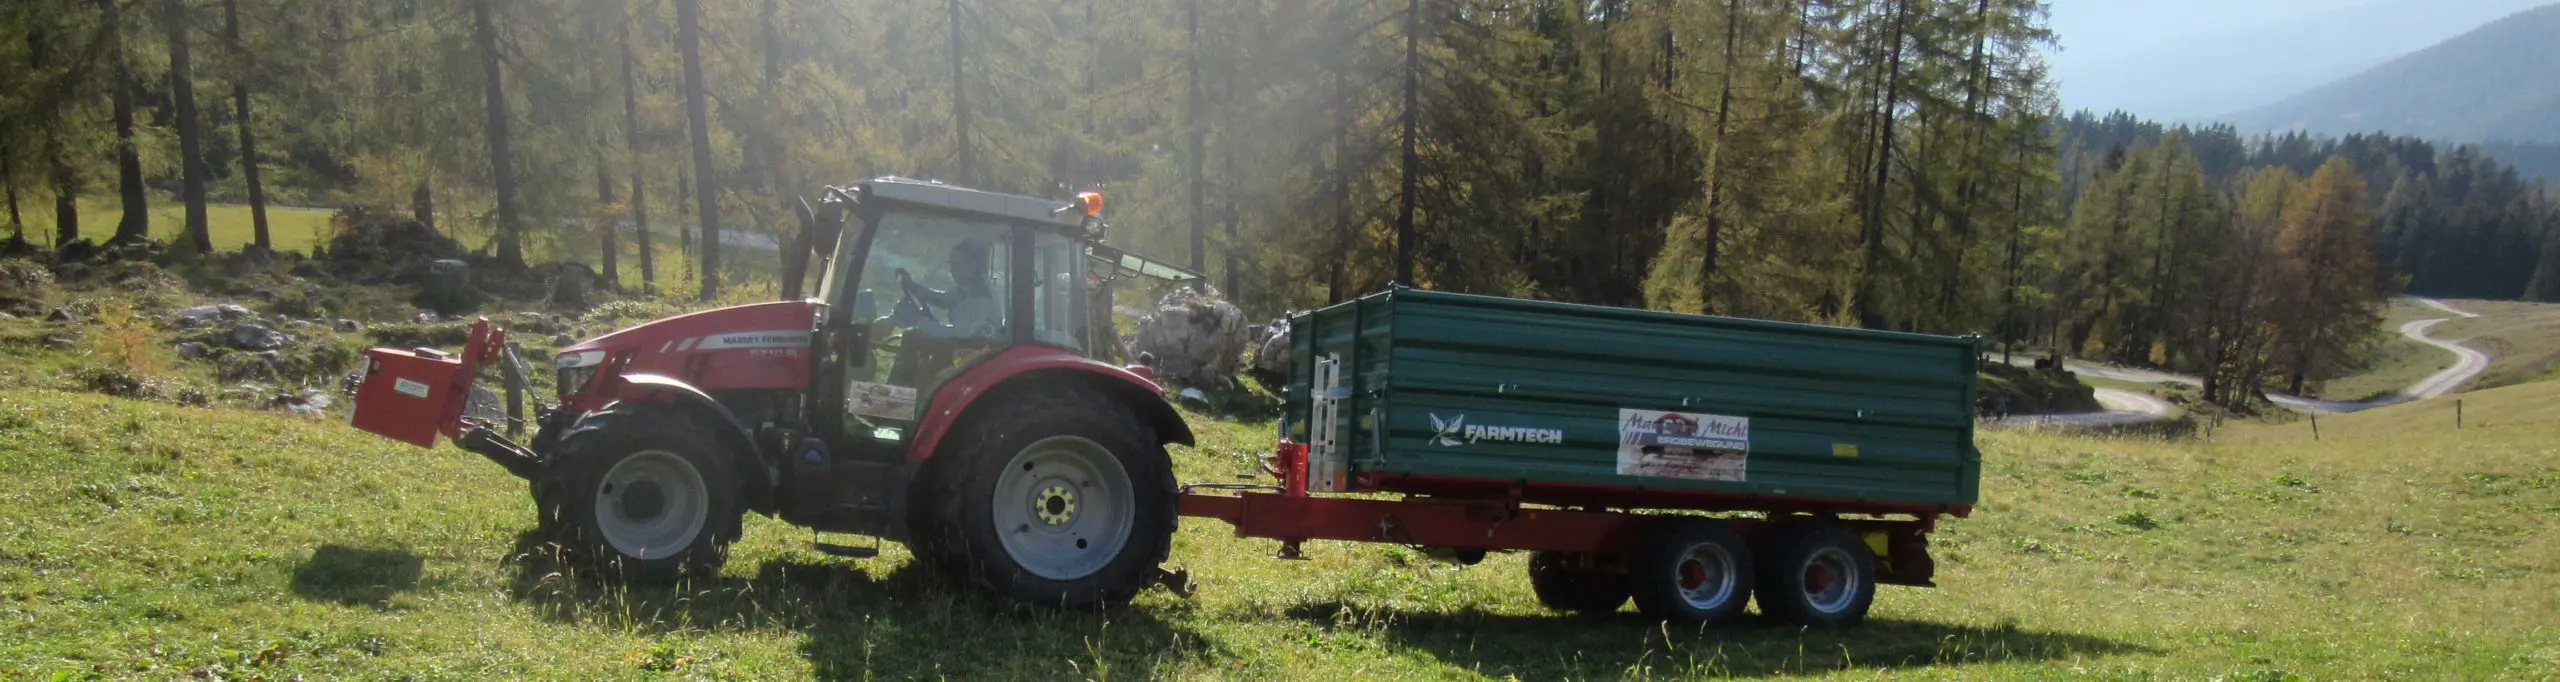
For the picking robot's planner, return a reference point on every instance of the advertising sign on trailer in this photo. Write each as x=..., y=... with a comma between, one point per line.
x=1673, y=445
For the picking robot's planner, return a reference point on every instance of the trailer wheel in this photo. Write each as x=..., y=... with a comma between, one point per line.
x=1065, y=499
x=640, y=497
x=1819, y=575
x=1564, y=582
x=1691, y=570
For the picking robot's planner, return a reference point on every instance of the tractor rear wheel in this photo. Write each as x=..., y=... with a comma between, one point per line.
x=639, y=496
x=1063, y=498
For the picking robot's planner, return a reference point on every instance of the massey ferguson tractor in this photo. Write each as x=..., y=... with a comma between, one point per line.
x=941, y=389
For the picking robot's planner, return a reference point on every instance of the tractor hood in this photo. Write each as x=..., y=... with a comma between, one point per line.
x=753, y=346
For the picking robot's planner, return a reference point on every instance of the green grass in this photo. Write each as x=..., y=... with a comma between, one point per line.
x=290, y=229
x=145, y=540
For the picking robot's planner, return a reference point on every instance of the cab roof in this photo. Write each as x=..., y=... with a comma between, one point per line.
x=936, y=194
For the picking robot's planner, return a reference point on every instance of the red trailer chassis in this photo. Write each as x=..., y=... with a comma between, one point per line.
x=1473, y=516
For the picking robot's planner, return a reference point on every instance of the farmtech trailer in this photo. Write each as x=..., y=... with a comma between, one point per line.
x=1802, y=464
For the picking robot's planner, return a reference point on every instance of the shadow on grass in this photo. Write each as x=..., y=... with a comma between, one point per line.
x=905, y=624
x=357, y=576
x=1566, y=646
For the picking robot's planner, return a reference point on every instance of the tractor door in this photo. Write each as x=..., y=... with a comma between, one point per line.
x=922, y=295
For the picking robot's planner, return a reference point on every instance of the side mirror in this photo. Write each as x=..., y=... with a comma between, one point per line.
x=828, y=222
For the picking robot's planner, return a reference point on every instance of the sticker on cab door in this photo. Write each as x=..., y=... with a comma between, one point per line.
x=881, y=400
x=1705, y=447
x=409, y=388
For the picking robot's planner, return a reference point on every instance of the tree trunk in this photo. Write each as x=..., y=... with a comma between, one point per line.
x=639, y=187
x=1715, y=158
x=136, y=225
x=501, y=148
x=248, y=138
x=1412, y=162
x=1869, y=315
x=182, y=88
x=698, y=119
x=422, y=205
x=1197, y=131
x=777, y=169
x=611, y=261
x=2009, y=272
x=17, y=227
x=1346, y=117
x=963, y=156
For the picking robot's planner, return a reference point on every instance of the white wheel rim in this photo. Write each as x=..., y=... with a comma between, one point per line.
x=651, y=505
x=1705, y=577
x=1831, y=580
x=1063, y=508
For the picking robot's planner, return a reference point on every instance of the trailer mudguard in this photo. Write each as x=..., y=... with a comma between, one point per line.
x=723, y=425
x=1024, y=366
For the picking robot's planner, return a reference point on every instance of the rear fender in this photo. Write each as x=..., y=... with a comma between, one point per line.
x=710, y=415
x=1031, y=368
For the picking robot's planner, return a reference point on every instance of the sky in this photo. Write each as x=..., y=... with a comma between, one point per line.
x=2192, y=60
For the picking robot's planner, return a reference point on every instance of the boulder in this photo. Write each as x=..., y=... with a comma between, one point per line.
x=309, y=403
x=220, y=313
x=448, y=289
x=486, y=405
x=1196, y=336
x=373, y=245
x=254, y=336
x=1271, y=353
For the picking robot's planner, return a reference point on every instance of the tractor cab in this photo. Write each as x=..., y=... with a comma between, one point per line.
x=922, y=281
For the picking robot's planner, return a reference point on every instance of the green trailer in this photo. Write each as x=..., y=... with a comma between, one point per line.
x=1689, y=461
x=1426, y=389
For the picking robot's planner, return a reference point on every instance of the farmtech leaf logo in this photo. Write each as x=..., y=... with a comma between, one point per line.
x=1450, y=431
x=1448, y=436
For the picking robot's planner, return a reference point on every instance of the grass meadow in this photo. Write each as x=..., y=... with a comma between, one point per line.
x=146, y=540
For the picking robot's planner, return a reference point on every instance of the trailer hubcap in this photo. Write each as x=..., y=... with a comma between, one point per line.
x=1705, y=576
x=651, y=505
x=1064, y=508
x=1830, y=580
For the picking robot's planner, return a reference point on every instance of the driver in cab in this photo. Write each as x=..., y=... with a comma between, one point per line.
x=969, y=306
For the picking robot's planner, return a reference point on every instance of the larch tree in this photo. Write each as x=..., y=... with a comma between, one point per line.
x=176, y=20
x=2328, y=256
x=698, y=126
x=241, y=65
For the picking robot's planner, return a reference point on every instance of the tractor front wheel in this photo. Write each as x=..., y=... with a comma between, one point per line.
x=1065, y=499
x=641, y=498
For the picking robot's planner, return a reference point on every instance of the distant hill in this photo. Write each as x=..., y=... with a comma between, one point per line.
x=2190, y=61
x=2499, y=82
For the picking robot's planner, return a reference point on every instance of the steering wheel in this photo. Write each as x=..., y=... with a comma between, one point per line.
x=912, y=312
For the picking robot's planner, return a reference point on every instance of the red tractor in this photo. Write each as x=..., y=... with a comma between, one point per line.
x=941, y=389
